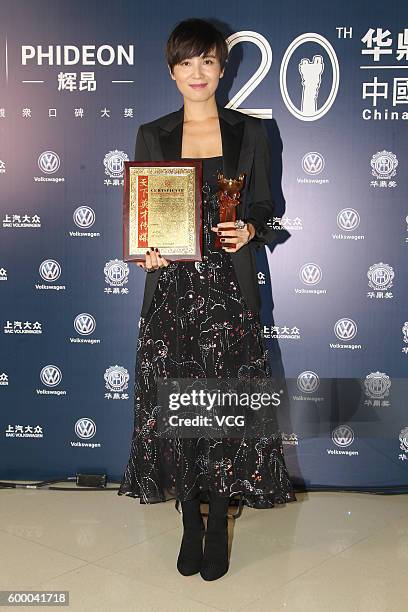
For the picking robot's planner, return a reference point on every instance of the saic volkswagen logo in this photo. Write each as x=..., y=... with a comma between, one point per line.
x=308, y=381
x=310, y=274
x=343, y=436
x=84, y=324
x=348, y=219
x=50, y=375
x=50, y=270
x=345, y=329
x=84, y=216
x=85, y=428
x=48, y=162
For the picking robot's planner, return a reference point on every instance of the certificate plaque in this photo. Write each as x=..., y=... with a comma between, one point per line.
x=162, y=208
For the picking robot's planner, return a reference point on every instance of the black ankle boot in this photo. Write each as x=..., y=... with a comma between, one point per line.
x=191, y=549
x=215, y=559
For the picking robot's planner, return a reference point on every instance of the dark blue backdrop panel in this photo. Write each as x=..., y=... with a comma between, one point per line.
x=76, y=81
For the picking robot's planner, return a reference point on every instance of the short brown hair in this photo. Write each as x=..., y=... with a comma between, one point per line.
x=193, y=37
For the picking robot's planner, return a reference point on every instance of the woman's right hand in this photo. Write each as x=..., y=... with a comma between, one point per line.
x=153, y=260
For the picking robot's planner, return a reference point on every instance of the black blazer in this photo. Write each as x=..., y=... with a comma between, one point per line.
x=245, y=149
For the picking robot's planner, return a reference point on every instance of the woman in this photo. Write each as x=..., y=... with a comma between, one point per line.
x=201, y=319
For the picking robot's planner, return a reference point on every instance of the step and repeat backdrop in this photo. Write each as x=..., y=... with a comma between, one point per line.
x=76, y=81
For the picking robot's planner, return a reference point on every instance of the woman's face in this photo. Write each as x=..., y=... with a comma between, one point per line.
x=198, y=70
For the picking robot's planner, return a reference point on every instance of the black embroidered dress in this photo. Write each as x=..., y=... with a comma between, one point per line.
x=199, y=326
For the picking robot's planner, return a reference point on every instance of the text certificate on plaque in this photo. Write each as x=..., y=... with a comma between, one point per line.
x=163, y=208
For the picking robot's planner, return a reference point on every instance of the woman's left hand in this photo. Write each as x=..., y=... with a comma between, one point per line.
x=234, y=235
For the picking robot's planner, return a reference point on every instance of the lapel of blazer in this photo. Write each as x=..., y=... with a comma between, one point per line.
x=235, y=153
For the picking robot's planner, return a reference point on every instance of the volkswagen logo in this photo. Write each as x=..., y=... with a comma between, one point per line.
x=50, y=270
x=345, y=329
x=84, y=324
x=308, y=381
x=85, y=428
x=48, y=162
x=348, y=219
x=84, y=216
x=310, y=274
x=343, y=436
x=50, y=375
x=313, y=163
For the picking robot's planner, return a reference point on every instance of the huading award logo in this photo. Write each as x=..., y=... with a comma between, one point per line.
x=405, y=337
x=377, y=387
x=403, y=440
x=380, y=277
x=114, y=167
x=116, y=381
x=384, y=167
x=116, y=275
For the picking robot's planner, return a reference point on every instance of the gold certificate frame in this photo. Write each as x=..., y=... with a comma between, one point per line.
x=162, y=207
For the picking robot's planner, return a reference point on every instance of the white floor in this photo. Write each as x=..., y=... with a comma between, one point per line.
x=327, y=552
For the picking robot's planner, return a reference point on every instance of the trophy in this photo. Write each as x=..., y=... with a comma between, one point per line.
x=228, y=198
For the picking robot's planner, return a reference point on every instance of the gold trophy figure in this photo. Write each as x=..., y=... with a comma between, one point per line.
x=228, y=198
